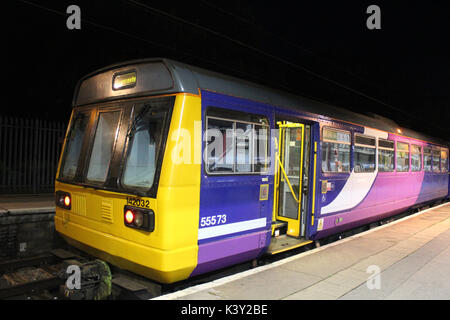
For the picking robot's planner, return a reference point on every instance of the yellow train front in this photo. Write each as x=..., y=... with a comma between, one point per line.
x=119, y=195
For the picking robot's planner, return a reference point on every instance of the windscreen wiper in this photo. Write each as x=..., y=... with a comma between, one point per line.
x=138, y=117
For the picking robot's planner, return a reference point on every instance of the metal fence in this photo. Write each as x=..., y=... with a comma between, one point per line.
x=29, y=153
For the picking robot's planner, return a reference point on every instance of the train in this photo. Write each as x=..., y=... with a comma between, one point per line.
x=172, y=171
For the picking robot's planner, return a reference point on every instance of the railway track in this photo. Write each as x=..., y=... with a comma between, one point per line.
x=44, y=276
x=30, y=278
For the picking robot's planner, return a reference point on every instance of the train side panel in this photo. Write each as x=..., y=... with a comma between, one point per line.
x=367, y=197
x=242, y=231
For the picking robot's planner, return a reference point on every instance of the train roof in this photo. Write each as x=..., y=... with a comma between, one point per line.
x=165, y=76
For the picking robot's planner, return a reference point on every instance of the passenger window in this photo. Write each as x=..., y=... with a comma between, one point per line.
x=436, y=154
x=105, y=136
x=235, y=146
x=416, y=158
x=402, y=157
x=243, y=148
x=427, y=159
x=335, y=150
x=444, y=160
x=220, y=146
x=385, y=155
x=260, y=156
x=364, y=153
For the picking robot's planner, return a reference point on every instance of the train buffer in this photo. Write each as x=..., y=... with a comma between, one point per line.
x=406, y=259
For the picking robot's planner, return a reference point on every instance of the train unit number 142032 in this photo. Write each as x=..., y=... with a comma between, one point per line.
x=213, y=220
x=136, y=202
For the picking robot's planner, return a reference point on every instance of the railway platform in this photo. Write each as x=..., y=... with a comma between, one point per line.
x=406, y=259
x=26, y=225
x=27, y=204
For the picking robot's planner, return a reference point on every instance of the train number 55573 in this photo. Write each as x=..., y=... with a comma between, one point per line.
x=213, y=220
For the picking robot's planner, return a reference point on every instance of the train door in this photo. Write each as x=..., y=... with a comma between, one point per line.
x=291, y=186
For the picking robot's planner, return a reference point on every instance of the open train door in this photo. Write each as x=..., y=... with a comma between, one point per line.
x=291, y=187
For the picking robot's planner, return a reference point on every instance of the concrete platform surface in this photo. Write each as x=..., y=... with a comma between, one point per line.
x=406, y=259
x=27, y=204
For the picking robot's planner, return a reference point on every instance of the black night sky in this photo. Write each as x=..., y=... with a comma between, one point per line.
x=319, y=49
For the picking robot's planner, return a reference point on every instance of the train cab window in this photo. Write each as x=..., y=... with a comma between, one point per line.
x=402, y=157
x=237, y=145
x=105, y=135
x=364, y=153
x=427, y=159
x=385, y=155
x=444, y=160
x=73, y=145
x=416, y=158
x=436, y=155
x=335, y=150
x=146, y=135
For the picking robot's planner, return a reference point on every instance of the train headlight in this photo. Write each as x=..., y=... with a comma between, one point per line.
x=63, y=200
x=129, y=216
x=139, y=218
x=67, y=201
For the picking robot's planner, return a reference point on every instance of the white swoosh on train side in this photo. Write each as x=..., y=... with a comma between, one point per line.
x=357, y=185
